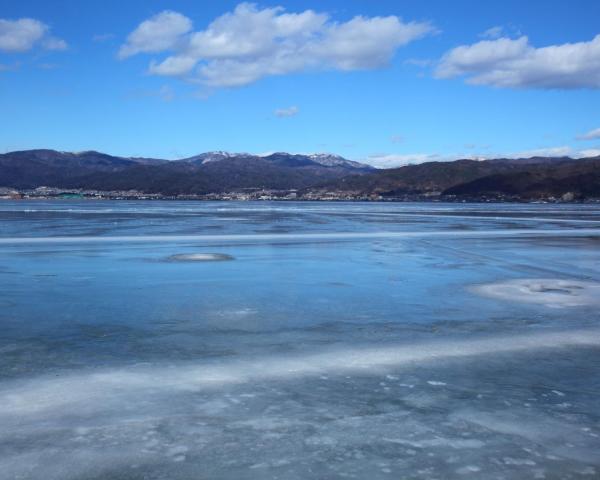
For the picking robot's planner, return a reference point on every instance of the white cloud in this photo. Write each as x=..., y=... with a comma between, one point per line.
x=157, y=34
x=172, y=66
x=286, y=112
x=515, y=63
x=562, y=151
x=17, y=36
x=591, y=135
x=247, y=44
x=590, y=152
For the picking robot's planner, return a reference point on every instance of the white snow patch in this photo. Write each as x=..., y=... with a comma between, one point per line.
x=544, y=291
x=199, y=257
x=93, y=389
x=285, y=237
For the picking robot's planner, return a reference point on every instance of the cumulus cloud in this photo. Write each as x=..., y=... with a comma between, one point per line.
x=157, y=34
x=591, y=135
x=515, y=63
x=286, y=112
x=249, y=43
x=17, y=36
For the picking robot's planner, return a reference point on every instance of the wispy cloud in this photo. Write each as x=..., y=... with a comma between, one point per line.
x=250, y=43
x=591, y=135
x=48, y=66
x=8, y=67
x=103, y=37
x=419, y=62
x=590, y=152
x=286, y=112
x=393, y=160
x=53, y=43
x=164, y=93
x=515, y=63
x=493, y=32
x=561, y=151
x=22, y=35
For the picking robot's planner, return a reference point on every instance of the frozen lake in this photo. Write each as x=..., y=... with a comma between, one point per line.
x=215, y=340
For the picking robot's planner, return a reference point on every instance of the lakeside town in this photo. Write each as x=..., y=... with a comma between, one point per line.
x=257, y=194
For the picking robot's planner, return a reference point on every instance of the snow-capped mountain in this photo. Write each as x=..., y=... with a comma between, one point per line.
x=332, y=160
x=291, y=159
x=208, y=157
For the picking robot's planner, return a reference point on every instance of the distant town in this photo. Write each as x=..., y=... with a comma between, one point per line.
x=51, y=193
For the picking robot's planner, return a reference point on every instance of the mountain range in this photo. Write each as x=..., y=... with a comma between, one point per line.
x=210, y=172
x=219, y=172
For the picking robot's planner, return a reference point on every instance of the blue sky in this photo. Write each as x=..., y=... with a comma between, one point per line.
x=406, y=81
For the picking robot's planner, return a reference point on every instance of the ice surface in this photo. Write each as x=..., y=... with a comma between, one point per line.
x=346, y=341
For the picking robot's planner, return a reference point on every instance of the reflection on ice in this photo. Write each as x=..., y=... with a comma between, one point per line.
x=545, y=291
